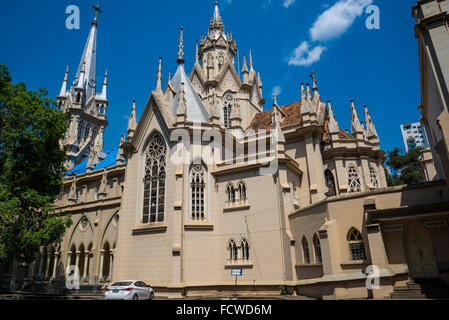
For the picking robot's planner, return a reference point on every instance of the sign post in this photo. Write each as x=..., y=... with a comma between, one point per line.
x=236, y=273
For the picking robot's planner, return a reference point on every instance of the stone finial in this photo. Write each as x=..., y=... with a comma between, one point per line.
x=250, y=60
x=333, y=124
x=196, y=53
x=274, y=98
x=159, y=75
x=312, y=75
x=63, y=91
x=181, y=48
x=370, y=130
x=303, y=93
x=356, y=126
x=132, y=122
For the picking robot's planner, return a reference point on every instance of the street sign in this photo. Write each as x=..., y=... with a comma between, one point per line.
x=236, y=272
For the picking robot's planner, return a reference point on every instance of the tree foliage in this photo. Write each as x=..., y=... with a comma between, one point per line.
x=31, y=170
x=406, y=167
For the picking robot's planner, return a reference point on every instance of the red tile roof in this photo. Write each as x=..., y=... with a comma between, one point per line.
x=262, y=120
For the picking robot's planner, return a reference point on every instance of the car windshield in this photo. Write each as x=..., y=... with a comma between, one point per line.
x=121, y=284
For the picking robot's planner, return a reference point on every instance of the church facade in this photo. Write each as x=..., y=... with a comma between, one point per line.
x=207, y=181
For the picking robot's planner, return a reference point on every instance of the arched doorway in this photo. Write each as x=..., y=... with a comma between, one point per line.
x=420, y=255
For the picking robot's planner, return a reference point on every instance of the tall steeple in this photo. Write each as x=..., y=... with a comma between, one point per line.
x=89, y=60
x=85, y=105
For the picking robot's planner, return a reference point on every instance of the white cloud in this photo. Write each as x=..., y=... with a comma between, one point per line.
x=336, y=20
x=288, y=3
x=305, y=56
x=277, y=90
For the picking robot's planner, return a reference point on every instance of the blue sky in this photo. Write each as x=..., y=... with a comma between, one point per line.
x=379, y=68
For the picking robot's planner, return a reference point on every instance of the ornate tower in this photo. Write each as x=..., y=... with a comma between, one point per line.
x=217, y=82
x=84, y=106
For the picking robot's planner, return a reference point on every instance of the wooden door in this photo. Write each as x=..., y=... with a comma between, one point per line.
x=420, y=255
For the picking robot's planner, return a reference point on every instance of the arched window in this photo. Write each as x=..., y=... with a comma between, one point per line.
x=81, y=260
x=317, y=247
x=230, y=192
x=305, y=250
x=80, y=130
x=87, y=132
x=227, y=108
x=330, y=183
x=354, y=184
x=154, y=181
x=106, y=271
x=242, y=193
x=232, y=251
x=221, y=59
x=373, y=176
x=245, y=250
x=198, y=189
x=356, y=246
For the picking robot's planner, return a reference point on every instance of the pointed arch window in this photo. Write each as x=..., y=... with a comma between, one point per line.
x=245, y=250
x=80, y=130
x=87, y=132
x=356, y=246
x=317, y=247
x=305, y=250
x=373, y=176
x=230, y=193
x=232, y=251
x=353, y=175
x=221, y=59
x=227, y=108
x=154, y=181
x=330, y=183
x=242, y=193
x=198, y=190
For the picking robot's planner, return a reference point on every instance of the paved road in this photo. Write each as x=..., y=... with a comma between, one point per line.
x=27, y=296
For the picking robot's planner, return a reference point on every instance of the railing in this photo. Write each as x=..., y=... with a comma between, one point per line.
x=56, y=286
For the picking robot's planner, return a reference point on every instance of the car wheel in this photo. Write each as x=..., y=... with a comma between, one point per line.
x=152, y=296
x=135, y=297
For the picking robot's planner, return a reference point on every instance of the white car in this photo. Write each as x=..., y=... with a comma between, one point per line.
x=129, y=290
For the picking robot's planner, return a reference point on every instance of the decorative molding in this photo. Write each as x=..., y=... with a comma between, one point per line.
x=236, y=208
x=145, y=229
x=199, y=226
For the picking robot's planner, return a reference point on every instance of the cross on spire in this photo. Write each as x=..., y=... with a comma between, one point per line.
x=97, y=9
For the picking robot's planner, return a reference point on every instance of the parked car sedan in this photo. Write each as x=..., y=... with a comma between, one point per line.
x=129, y=290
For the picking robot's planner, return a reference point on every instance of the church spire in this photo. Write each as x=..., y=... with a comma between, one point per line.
x=89, y=59
x=216, y=23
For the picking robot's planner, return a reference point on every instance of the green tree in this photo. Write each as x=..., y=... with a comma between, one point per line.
x=31, y=170
x=406, y=167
